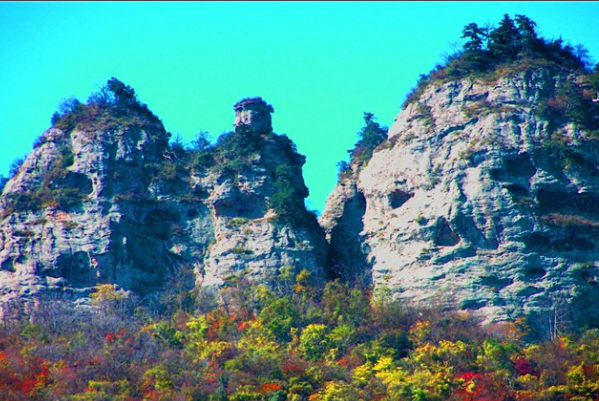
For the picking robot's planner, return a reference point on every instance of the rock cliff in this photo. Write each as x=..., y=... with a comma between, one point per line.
x=103, y=198
x=484, y=197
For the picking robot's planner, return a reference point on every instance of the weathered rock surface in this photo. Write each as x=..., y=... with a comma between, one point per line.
x=475, y=202
x=92, y=206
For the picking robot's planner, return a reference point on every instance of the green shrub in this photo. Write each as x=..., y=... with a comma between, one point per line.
x=234, y=150
x=343, y=170
x=130, y=196
x=569, y=221
x=246, y=396
x=370, y=137
x=279, y=317
x=236, y=222
x=68, y=198
x=12, y=171
x=287, y=200
x=167, y=171
x=314, y=342
x=3, y=181
x=15, y=166
x=189, y=198
x=69, y=225
x=49, y=193
x=239, y=250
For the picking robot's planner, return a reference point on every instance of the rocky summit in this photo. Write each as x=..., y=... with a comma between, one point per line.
x=480, y=199
x=103, y=199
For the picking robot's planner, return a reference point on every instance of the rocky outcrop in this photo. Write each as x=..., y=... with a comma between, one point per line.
x=110, y=202
x=70, y=216
x=478, y=202
x=249, y=236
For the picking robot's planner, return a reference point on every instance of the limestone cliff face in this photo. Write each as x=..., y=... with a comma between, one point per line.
x=249, y=236
x=93, y=205
x=475, y=201
x=70, y=216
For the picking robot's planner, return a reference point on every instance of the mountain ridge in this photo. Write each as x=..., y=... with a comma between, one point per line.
x=116, y=204
x=461, y=194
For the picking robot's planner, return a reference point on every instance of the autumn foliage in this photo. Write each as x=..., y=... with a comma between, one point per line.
x=296, y=342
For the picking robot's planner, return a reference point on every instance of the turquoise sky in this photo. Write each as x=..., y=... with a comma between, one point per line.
x=321, y=65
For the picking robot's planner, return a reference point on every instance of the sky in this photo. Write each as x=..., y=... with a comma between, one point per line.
x=320, y=64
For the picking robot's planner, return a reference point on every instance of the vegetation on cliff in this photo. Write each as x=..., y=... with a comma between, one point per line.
x=512, y=46
x=115, y=105
x=370, y=136
x=233, y=154
x=296, y=342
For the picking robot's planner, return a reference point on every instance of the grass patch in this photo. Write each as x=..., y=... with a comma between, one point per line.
x=240, y=250
x=568, y=221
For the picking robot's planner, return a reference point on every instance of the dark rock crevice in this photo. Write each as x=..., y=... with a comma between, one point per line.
x=398, y=198
x=346, y=259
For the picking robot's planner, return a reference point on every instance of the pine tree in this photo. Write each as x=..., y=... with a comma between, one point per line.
x=504, y=42
x=528, y=35
x=475, y=36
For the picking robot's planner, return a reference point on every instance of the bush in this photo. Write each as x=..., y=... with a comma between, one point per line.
x=167, y=171
x=569, y=221
x=233, y=150
x=201, y=142
x=15, y=166
x=287, y=200
x=239, y=250
x=314, y=342
x=115, y=105
x=3, y=181
x=236, y=222
x=371, y=136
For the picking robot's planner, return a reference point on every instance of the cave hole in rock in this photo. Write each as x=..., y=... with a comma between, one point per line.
x=514, y=167
x=8, y=265
x=581, y=162
x=398, y=198
x=75, y=268
x=517, y=191
x=81, y=182
x=520, y=166
x=346, y=258
x=495, y=281
x=535, y=272
x=537, y=242
x=586, y=203
x=473, y=304
x=192, y=213
x=159, y=223
x=583, y=275
x=528, y=291
x=250, y=207
x=552, y=200
x=540, y=243
x=445, y=236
